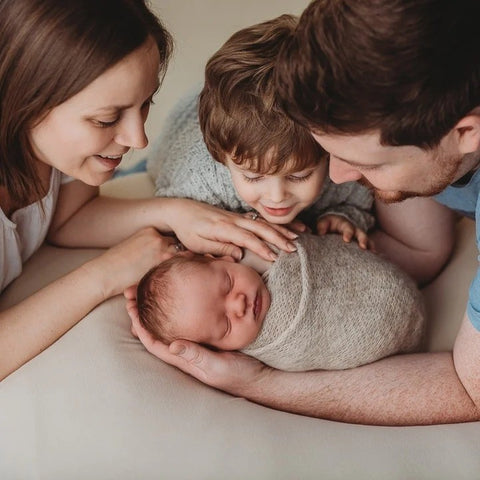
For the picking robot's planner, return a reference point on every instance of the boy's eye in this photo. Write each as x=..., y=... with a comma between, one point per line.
x=303, y=177
x=252, y=179
x=102, y=124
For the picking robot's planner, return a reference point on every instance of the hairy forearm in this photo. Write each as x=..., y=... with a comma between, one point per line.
x=418, y=389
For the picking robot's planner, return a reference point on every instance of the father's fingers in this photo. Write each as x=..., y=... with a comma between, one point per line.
x=197, y=361
x=130, y=293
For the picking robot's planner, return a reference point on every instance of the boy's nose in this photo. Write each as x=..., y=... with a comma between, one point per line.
x=276, y=191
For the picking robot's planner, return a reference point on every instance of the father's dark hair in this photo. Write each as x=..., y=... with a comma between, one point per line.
x=409, y=68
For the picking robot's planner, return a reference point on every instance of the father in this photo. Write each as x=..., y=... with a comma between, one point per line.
x=391, y=88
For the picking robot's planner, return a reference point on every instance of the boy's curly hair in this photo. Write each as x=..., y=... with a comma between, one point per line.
x=239, y=109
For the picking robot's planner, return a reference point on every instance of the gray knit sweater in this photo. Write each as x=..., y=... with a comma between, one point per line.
x=335, y=306
x=181, y=166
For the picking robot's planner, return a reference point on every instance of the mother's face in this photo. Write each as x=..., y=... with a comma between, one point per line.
x=86, y=136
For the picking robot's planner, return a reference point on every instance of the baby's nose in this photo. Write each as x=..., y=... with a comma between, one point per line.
x=238, y=305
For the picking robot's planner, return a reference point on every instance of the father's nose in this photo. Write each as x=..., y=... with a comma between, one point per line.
x=341, y=172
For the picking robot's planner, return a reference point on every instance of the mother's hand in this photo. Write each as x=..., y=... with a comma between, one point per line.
x=207, y=229
x=232, y=372
x=127, y=262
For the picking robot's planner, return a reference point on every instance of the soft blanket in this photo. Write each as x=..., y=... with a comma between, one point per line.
x=335, y=306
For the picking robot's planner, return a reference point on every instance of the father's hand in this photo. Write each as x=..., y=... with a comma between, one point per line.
x=232, y=372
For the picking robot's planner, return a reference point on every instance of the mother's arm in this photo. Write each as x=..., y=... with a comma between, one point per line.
x=83, y=218
x=34, y=324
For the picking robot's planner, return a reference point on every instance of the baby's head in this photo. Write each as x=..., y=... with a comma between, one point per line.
x=276, y=165
x=213, y=301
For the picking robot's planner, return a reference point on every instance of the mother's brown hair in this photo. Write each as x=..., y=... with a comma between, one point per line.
x=49, y=51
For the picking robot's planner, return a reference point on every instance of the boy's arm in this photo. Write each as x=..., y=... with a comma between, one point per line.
x=349, y=200
x=417, y=234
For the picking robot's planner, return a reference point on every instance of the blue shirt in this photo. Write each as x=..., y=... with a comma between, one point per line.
x=465, y=200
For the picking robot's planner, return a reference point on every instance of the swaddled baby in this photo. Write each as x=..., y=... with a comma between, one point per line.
x=329, y=305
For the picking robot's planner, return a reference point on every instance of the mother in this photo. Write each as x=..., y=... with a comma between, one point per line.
x=76, y=83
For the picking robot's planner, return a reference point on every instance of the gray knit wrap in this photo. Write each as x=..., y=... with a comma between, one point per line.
x=335, y=306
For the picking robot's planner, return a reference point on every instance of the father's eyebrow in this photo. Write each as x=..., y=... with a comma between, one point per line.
x=353, y=163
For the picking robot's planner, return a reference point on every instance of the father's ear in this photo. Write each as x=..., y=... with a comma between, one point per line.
x=467, y=132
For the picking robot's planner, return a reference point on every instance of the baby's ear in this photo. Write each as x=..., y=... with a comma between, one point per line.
x=185, y=253
x=227, y=258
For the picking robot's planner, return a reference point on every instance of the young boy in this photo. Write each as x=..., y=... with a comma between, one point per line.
x=329, y=305
x=251, y=156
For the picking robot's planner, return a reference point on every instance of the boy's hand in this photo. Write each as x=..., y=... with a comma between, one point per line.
x=338, y=224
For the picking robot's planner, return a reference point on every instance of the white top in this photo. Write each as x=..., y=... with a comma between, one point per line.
x=23, y=233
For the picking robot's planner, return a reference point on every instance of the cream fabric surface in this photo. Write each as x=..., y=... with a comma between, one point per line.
x=96, y=405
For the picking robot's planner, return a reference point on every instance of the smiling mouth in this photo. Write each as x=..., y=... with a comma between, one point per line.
x=110, y=161
x=278, y=212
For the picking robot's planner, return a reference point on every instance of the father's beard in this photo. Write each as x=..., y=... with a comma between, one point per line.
x=443, y=174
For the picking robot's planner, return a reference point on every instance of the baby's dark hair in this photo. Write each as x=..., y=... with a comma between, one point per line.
x=156, y=298
x=239, y=109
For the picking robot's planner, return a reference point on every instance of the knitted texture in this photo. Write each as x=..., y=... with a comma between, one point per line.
x=181, y=166
x=335, y=306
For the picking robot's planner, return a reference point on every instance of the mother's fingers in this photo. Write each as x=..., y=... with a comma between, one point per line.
x=264, y=229
x=253, y=234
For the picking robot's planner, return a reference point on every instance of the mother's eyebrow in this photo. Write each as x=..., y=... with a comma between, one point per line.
x=116, y=108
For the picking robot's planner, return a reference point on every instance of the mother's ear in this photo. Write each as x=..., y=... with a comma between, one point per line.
x=467, y=132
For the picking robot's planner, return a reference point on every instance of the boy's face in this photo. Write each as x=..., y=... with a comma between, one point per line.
x=220, y=303
x=393, y=173
x=281, y=197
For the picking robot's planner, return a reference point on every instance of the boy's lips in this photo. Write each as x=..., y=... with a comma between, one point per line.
x=278, y=212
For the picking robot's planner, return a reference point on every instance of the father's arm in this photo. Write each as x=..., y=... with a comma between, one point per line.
x=417, y=234
x=417, y=389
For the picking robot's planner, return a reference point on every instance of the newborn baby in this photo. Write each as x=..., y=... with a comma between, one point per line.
x=329, y=305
